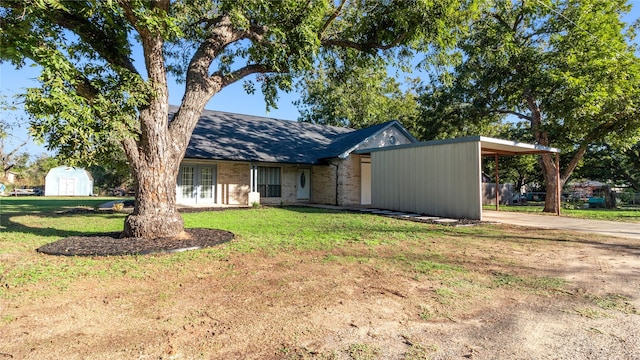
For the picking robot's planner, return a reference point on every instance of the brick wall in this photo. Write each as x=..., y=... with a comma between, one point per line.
x=234, y=179
x=323, y=188
x=323, y=184
x=349, y=181
x=233, y=183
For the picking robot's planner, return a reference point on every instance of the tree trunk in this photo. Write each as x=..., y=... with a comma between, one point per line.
x=549, y=173
x=155, y=156
x=609, y=197
x=546, y=160
x=155, y=213
x=155, y=160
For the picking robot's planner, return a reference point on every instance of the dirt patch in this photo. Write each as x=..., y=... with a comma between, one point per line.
x=494, y=299
x=112, y=244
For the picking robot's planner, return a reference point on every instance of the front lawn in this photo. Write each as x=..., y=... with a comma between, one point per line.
x=296, y=283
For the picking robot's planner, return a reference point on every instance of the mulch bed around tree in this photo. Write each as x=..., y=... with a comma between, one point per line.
x=109, y=244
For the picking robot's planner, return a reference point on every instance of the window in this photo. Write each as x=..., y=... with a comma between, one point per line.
x=187, y=182
x=207, y=183
x=269, y=181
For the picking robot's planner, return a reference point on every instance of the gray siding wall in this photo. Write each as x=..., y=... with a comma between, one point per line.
x=440, y=180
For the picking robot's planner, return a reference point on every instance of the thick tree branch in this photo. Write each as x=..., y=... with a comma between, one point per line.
x=573, y=163
x=243, y=72
x=635, y=183
x=91, y=34
x=331, y=19
x=221, y=36
x=502, y=22
x=161, y=4
x=511, y=112
x=131, y=151
x=367, y=46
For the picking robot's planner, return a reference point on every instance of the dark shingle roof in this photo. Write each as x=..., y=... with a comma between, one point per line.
x=349, y=141
x=227, y=136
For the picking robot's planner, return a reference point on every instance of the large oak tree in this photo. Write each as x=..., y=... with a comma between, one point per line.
x=568, y=69
x=94, y=95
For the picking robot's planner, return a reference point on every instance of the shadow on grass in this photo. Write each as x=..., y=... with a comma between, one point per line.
x=12, y=226
x=11, y=208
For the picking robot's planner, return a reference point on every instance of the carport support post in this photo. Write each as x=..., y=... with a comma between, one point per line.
x=497, y=185
x=558, y=189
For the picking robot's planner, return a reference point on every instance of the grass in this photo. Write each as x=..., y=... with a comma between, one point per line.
x=341, y=237
x=450, y=270
x=614, y=302
x=27, y=223
x=363, y=352
x=539, y=285
x=623, y=215
x=301, y=228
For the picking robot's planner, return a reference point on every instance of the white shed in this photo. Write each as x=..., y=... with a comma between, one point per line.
x=441, y=177
x=68, y=181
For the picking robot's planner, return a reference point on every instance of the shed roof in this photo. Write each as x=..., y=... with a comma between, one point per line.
x=227, y=136
x=488, y=146
x=69, y=171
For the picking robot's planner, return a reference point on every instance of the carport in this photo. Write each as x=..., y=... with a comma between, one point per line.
x=441, y=177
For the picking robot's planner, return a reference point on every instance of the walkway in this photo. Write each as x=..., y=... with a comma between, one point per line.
x=611, y=228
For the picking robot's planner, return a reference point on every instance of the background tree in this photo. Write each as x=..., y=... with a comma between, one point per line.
x=349, y=88
x=37, y=169
x=112, y=173
x=93, y=93
x=9, y=155
x=567, y=69
x=607, y=163
x=356, y=94
x=519, y=170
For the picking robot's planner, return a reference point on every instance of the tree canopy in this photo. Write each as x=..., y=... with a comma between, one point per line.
x=355, y=95
x=568, y=69
x=93, y=94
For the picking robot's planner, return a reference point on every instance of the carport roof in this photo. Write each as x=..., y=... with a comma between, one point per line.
x=488, y=146
x=492, y=146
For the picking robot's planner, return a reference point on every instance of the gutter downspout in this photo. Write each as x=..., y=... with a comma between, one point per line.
x=337, y=177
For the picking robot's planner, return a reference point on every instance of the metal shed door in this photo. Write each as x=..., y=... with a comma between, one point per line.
x=67, y=187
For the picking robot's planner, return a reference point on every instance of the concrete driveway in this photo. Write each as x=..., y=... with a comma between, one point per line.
x=611, y=228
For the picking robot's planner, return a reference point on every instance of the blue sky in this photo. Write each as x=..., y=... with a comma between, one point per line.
x=232, y=99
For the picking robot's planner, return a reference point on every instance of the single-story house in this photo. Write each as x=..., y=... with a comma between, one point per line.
x=242, y=159
x=68, y=181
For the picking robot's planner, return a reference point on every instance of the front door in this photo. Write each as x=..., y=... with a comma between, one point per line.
x=304, y=184
x=365, y=182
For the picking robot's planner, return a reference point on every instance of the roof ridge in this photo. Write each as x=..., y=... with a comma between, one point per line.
x=267, y=118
